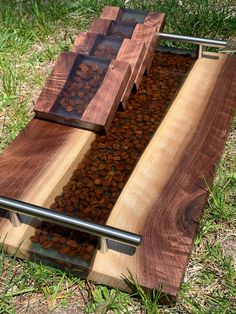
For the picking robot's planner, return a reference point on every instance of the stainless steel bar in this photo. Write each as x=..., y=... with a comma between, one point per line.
x=108, y=232
x=193, y=40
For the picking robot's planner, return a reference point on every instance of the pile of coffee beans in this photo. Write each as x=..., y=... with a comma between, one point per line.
x=102, y=174
x=105, y=51
x=81, y=88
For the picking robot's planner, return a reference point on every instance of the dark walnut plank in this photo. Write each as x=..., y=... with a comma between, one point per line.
x=128, y=50
x=134, y=16
x=166, y=194
x=34, y=169
x=83, y=91
x=39, y=147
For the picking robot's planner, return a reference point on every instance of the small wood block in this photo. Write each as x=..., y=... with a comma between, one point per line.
x=147, y=34
x=110, y=12
x=134, y=16
x=133, y=52
x=83, y=91
x=128, y=50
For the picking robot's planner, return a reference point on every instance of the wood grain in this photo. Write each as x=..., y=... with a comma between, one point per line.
x=146, y=34
x=56, y=81
x=132, y=52
x=156, y=19
x=110, y=12
x=103, y=106
x=99, y=111
x=34, y=169
x=99, y=26
x=84, y=42
x=166, y=193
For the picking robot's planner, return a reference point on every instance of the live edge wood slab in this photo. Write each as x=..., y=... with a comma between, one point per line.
x=83, y=91
x=167, y=191
x=165, y=194
x=130, y=51
x=146, y=34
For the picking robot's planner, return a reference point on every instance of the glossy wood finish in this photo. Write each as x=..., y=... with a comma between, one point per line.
x=99, y=112
x=167, y=191
x=130, y=51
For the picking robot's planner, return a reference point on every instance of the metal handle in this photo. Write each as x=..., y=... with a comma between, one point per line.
x=194, y=40
x=103, y=231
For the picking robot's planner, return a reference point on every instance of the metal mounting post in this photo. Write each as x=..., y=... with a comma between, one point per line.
x=15, y=219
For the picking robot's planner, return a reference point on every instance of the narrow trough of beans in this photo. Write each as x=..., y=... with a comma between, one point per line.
x=99, y=179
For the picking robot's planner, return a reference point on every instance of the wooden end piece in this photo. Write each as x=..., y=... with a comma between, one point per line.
x=103, y=106
x=100, y=26
x=84, y=42
x=155, y=19
x=110, y=12
x=86, y=100
x=146, y=34
x=133, y=52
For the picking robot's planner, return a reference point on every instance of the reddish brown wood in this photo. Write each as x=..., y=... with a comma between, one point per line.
x=173, y=221
x=110, y=12
x=99, y=26
x=84, y=42
x=133, y=52
x=146, y=33
x=65, y=104
x=110, y=94
x=156, y=19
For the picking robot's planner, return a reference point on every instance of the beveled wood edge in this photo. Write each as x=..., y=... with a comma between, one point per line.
x=118, y=73
x=136, y=63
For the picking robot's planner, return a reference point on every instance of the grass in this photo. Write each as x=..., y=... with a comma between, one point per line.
x=32, y=33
